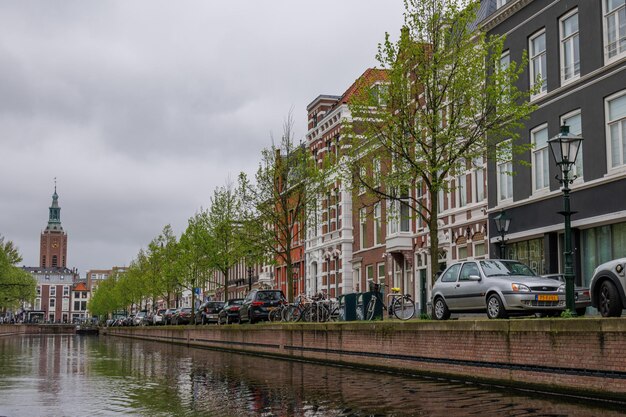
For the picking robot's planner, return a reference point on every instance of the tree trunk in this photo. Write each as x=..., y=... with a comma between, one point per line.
x=433, y=227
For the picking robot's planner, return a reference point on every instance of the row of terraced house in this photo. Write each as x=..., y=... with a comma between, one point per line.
x=578, y=50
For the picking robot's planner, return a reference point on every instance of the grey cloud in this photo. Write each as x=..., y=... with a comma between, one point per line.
x=141, y=108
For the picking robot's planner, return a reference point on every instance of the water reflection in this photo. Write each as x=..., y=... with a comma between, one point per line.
x=75, y=376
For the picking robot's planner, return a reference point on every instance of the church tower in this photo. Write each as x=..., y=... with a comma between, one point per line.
x=53, y=246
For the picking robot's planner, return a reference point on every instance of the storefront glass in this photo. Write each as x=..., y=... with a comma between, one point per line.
x=602, y=244
x=529, y=252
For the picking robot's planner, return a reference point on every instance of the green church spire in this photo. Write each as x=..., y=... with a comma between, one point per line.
x=54, y=221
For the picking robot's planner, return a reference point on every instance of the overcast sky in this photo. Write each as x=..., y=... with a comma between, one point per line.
x=141, y=108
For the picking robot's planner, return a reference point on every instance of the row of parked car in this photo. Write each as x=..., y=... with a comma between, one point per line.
x=255, y=307
x=500, y=288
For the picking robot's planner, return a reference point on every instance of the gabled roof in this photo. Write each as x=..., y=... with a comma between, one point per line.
x=81, y=286
x=369, y=77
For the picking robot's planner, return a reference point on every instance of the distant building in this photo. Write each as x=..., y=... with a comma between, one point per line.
x=53, y=292
x=79, y=298
x=96, y=276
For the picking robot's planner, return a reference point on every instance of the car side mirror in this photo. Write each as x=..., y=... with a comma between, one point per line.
x=474, y=278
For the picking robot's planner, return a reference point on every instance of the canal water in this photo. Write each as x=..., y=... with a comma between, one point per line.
x=107, y=376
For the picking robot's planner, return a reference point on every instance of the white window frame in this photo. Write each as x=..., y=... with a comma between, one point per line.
x=52, y=303
x=376, y=172
x=458, y=252
x=53, y=291
x=66, y=291
x=622, y=139
x=543, y=155
x=381, y=277
x=606, y=16
x=362, y=226
x=501, y=3
x=574, y=40
x=363, y=177
x=578, y=168
x=542, y=55
x=461, y=190
x=505, y=62
x=378, y=230
x=505, y=174
x=478, y=180
x=484, y=246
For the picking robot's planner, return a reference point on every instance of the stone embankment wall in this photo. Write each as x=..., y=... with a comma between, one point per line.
x=578, y=356
x=34, y=329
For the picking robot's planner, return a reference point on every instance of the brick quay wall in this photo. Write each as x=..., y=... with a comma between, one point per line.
x=574, y=356
x=35, y=329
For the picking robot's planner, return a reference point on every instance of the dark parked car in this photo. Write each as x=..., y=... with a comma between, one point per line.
x=258, y=304
x=167, y=316
x=182, y=316
x=581, y=294
x=230, y=312
x=208, y=312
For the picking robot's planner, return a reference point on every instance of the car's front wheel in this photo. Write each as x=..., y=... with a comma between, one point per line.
x=495, y=307
x=609, y=303
x=441, y=309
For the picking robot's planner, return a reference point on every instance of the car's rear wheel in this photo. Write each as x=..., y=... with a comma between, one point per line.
x=440, y=308
x=609, y=303
x=495, y=307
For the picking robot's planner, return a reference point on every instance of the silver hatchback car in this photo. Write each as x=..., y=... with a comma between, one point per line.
x=499, y=287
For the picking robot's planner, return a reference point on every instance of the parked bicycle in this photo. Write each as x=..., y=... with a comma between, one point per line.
x=400, y=305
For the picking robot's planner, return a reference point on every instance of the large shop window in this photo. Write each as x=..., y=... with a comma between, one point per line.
x=602, y=244
x=529, y=252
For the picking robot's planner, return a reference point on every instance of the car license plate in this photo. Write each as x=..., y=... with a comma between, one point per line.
x=546, y=297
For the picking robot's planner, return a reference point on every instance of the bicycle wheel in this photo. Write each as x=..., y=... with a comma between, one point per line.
x=371, y=309
x=322, y=313
x=292, y=313
x=337, y=314
x=275, y=315
x=403, y=308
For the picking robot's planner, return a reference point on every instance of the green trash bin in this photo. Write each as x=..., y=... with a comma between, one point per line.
x=347, y=307
x=363, y=300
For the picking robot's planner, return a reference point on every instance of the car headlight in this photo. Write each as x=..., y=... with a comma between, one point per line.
x=561, y=288
x=519, y=287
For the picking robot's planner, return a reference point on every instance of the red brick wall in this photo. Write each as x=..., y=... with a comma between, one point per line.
x=585, y=355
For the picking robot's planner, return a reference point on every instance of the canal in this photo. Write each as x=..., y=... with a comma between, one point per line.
x=108, y=376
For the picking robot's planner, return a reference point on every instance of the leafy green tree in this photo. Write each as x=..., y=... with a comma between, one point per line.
x=227, y=243
x=163, y=252
x=192, y=261
x=278, y=203
x=447, y=100
x=16, y=285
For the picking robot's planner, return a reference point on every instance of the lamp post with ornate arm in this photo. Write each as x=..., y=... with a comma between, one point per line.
x=564, y=148
x=503, y=221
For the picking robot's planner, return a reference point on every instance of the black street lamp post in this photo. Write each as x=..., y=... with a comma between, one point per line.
x=503, y=221
x=564, y=148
